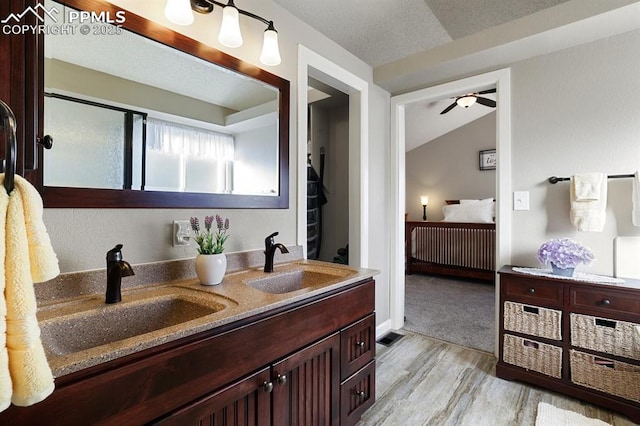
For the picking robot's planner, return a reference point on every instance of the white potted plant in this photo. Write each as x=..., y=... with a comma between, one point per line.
x=211, y=262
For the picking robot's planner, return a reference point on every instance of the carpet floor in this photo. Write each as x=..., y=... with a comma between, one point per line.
x=450, y=309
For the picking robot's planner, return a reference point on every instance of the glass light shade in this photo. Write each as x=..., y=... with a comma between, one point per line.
x=230, y=35
x=466, y=101
x=424, y=200
x=270, y=51
x=179, y=12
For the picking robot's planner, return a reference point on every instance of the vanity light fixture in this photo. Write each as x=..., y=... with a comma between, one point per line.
x=180, y=12
x=424, y=200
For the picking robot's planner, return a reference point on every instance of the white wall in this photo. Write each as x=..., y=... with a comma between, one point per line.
x=447, y=168
x=575, y=111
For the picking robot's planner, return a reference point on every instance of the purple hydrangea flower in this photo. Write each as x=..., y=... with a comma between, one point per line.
x=564, y=253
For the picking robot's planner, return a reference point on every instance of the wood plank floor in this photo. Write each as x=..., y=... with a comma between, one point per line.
x=424, y=381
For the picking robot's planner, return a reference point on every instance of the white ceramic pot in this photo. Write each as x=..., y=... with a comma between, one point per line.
x=210, y=268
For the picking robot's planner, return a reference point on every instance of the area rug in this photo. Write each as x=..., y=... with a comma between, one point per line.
x=450, y=309
x=548, y=415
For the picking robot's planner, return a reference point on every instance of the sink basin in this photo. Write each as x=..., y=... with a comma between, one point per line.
x=303, y=277
x=100, y=324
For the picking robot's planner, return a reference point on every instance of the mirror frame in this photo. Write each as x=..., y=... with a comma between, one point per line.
x=67, y=197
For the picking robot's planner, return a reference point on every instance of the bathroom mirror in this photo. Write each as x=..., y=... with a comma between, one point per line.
x=145, y=117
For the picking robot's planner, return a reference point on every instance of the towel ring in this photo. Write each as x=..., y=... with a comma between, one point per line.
x=9, y=124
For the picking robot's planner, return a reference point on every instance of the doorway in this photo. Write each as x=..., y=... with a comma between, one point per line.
x=327, y=173
x=499, y=79
x=312, y=65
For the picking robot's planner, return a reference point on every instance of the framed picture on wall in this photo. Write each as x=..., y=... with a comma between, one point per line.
x=488, y=159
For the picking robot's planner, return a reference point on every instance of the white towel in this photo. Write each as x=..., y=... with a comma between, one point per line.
x=26, y=257
x=587, y=186
x=590, y=213
x=635, y=213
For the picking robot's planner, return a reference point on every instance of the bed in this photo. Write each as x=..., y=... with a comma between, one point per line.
x=464, y=249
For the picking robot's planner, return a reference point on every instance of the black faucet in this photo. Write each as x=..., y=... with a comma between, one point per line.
x=116, y=269
x=270, y=247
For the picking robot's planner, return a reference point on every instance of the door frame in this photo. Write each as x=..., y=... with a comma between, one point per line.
x=501, y=79
x=311, y=64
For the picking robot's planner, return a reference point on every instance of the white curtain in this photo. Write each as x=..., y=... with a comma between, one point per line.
x=175, y=138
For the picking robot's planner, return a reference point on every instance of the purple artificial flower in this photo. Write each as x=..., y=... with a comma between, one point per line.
x=564, y=253
x=195, y=224
x=219, y=222
x=208, y=220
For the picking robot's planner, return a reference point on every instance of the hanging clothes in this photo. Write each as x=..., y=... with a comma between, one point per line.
x=315, y=200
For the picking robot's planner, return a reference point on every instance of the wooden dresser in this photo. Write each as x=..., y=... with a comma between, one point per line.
x=577, y=338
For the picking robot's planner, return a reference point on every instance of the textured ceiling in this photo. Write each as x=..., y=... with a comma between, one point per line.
x=382, y=31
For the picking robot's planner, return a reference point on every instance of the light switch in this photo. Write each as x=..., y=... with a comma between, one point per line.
x=181, y=233
x=521, y=200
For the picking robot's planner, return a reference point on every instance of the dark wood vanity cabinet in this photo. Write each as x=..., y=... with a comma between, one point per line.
x=285, y=366
x=573, y=337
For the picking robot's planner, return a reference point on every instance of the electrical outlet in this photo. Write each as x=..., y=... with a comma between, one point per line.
x=181, y=233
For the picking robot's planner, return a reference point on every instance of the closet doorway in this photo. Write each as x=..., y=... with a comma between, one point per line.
x=327, y=173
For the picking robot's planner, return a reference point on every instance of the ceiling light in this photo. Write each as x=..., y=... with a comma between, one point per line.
x=466, y=101
x=180, y=12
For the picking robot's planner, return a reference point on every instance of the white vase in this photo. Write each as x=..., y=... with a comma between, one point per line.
x=210, y=268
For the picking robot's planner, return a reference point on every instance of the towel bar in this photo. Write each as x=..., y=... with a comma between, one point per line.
x=554, y=179
x=8, y=122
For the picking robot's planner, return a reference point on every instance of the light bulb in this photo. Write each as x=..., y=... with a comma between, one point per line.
x=466, y=101
x=270, y=51
x=230, y=35
x=179, y=12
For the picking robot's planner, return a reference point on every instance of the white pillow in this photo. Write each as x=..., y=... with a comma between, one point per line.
x=478, y=212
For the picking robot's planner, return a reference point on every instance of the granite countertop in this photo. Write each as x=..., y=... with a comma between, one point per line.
x=74, y=329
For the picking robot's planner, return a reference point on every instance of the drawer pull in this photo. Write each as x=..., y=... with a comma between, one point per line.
x=360, y=344
x=606, y=302
x=532, y=290
x=281, y=379
x=605, y=323
x=360, y=394
x=267, y=387
x=531, y=310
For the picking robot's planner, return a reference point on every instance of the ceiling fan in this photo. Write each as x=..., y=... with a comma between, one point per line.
x=469, y=99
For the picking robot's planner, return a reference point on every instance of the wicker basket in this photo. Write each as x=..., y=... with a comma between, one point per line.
x=532, y=355
x=603, y=335
x=613, y=377
x=533, y=320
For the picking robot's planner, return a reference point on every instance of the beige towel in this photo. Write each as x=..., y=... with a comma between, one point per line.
x=590, y=213
x=587, y=186
x=28, y=258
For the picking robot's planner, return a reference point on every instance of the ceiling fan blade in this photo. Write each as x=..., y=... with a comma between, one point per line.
x=486, y=102
x=449, y=108
x=484, y=92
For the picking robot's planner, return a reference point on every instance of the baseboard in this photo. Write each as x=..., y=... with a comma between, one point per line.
x=383, y=329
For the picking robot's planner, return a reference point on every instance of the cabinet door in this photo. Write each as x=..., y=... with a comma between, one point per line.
x=244, y=403
x=306, y=385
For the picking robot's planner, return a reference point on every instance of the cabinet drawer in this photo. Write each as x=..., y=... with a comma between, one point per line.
x=533, y=320
x=532, y=355
x=606, y=375
x=620, y=338
x=608, y=301
x=357, y=394
x=533, y=291
x=357, y=346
